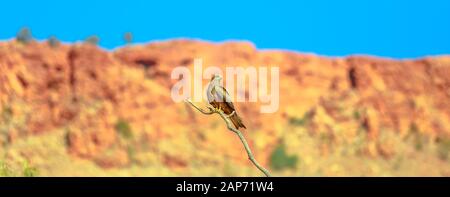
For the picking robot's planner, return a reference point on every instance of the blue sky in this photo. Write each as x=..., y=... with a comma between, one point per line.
x=390, y=28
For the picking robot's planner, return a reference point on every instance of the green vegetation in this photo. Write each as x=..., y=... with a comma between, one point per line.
x=443, y=148
x=326, y=138
x=300, y=151
x=29, y=171
x=417, y=138
x=128, y=37
x=356, y=114
x=94, y=40
x=5, y=170
x=7, y=113
x=300, y=121
x=26, y=171
x=13, y=119
x=53, y=42
x=123, y=129
x=280, y=160
x=24, y=35
x=5, y=123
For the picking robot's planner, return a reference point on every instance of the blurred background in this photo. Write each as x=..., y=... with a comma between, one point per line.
x=85, y=88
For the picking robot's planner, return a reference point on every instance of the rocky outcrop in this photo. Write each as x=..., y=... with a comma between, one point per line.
x=86, y=90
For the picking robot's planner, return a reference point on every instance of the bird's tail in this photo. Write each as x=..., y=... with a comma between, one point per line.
x=237, y=121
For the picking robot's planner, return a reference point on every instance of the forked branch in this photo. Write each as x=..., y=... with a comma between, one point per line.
x=226, y=118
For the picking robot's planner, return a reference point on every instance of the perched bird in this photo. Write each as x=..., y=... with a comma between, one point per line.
x=219, y=98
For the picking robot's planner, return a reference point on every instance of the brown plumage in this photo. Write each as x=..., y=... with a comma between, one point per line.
x=219, y=98
x=235, y=119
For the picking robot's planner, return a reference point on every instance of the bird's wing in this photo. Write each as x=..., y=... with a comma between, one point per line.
x=210, y=93
x=221, y=94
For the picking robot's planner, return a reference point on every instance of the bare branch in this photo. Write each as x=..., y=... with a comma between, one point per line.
x=200, y=109
x=230, y=127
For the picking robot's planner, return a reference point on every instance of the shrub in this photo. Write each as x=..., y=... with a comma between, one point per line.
x=94, y=40
x=124, y=129
x=29, y=171
x=300, y=121
x=297, y=121
x=280, y=160
x=53, y=42
x=356, y=115
x=128, y=37
x=5, y=170
x=24, y=35
x=443, y=148
x=417, y=138
x=6, y=114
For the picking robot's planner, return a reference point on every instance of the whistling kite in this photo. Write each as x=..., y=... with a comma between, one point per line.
x=219, y=98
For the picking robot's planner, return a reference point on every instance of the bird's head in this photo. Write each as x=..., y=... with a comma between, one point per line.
x=216, y=77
